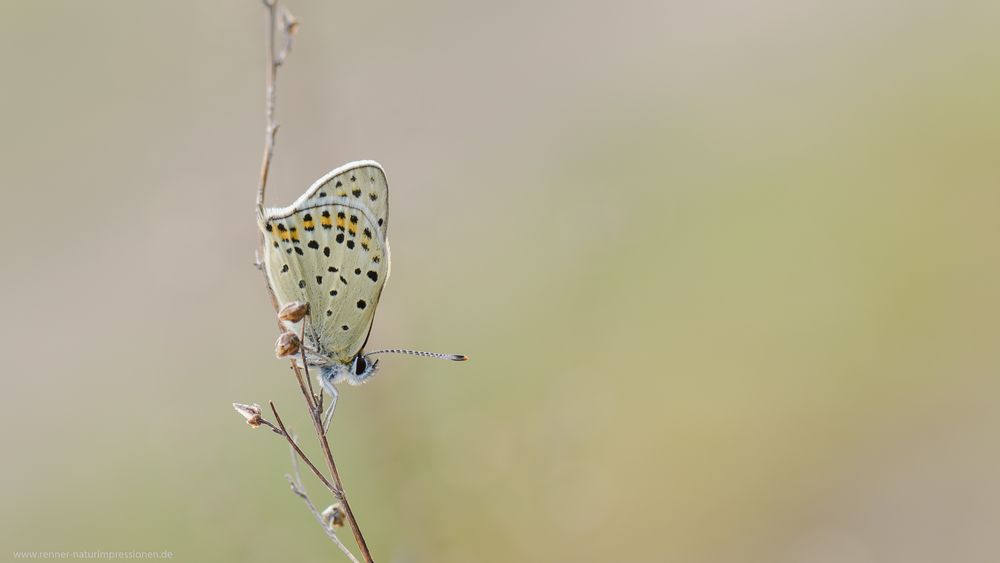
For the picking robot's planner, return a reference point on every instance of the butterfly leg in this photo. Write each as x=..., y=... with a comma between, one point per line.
x=328, y=415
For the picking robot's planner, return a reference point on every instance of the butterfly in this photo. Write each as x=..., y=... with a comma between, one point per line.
x=330, y=250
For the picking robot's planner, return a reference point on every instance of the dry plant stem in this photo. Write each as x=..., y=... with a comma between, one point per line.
x=317, y=420
x=297, y=487
x=288, y=437
x=272, y=127
x=273, y=428
x=316, y=403
x=273, y=61
x=295, y=482
x=252, y=415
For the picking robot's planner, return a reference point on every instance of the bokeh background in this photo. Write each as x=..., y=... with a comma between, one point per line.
x=728, y=273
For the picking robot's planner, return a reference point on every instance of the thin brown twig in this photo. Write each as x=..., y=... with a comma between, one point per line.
x=332, y=465
x=316, y=403
x=252, y=414
x=273, y=428
x=273, y=61
x=337, y=487
x=319, y=474
x=272, y=127
x=295, y=482
x=317, y=420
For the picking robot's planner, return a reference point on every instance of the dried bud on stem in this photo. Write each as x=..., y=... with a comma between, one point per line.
x=334, y=516
x=287, y=345
x=293, y=312
x=249, y=412
x=289, y=22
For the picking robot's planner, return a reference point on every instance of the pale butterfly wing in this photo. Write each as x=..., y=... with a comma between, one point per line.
x=329, y=249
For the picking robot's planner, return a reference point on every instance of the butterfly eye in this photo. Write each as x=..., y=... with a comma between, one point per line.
x=360, y=365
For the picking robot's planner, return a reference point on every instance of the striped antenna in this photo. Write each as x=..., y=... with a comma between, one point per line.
x=452, y=357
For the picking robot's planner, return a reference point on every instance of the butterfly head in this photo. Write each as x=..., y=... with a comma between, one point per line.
x=355, y=372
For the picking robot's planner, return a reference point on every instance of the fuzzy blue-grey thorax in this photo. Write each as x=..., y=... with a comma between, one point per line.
x=355, y=373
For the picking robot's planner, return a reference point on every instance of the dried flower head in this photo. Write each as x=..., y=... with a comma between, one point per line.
x=334, y=516
x=293, y=312
x=288, y=344
x=289, y=22
x=249, y=412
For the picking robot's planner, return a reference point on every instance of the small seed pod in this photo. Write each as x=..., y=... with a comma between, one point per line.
x=287, y=345
x=249, y=412
x=334, y=516
x=288, y=20
x=293, y=312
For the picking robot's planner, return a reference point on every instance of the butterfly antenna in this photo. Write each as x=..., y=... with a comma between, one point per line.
x=452, y=357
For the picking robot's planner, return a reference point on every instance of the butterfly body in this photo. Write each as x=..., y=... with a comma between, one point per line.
x=330, y=250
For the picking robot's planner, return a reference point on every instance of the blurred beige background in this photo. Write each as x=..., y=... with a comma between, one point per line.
x=727, y=272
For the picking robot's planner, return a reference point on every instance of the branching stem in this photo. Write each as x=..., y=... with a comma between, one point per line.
x=314, y=402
